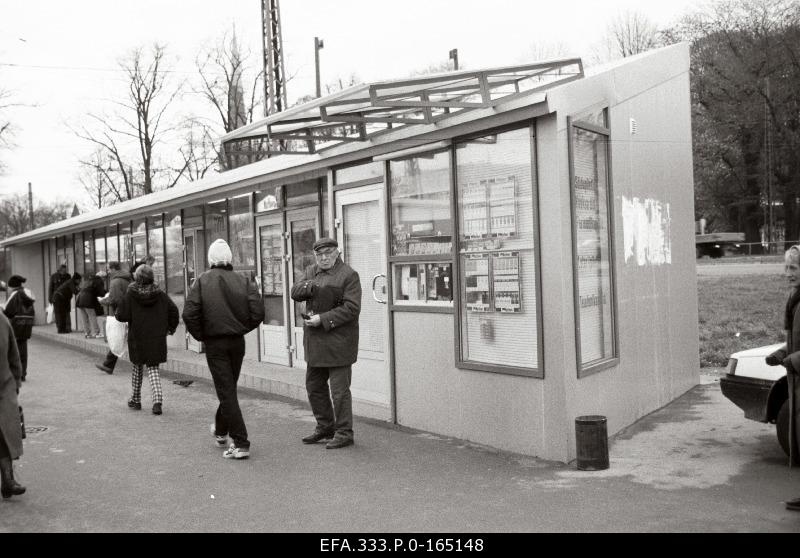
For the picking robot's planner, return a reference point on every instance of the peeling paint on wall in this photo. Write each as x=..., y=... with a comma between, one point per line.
x=645, y=226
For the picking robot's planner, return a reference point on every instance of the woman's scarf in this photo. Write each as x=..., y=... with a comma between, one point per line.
x=791, y=304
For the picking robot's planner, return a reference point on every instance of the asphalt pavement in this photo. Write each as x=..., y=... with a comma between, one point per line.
x=93, y=465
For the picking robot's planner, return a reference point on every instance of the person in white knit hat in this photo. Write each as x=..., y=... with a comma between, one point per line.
x=223, y=306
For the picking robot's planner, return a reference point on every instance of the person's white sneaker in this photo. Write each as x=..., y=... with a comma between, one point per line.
x=236, y=453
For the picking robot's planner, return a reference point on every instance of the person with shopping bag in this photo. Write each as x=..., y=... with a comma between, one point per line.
x=20, y=311
x=120, y=280
x=151, y=316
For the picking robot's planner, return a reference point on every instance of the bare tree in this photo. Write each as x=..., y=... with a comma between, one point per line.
x=6, y=126
x=629, y=33
x=15, y=214
x=129, y=138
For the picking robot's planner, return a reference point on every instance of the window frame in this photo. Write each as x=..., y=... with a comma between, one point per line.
x=573, y=123
x=461, y=363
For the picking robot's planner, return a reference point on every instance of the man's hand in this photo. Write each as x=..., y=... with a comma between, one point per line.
x=772, y=360
x=313, y=321
x=787, y=363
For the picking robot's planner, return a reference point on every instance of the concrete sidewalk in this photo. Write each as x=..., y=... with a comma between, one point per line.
x=93, y=465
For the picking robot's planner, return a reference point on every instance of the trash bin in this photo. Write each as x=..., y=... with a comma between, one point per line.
x=591, y=439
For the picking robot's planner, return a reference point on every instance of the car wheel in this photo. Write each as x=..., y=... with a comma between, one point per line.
x=782, y=429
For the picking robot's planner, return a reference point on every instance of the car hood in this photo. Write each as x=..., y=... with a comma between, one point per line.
x=758, y=351
x=751, y=364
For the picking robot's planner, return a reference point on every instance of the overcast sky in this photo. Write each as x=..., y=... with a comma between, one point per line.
x=60, y=58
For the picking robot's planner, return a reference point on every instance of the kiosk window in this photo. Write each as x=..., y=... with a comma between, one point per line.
x=497, y=263
x=594, y=297
x=420, y=200
x=427, y=284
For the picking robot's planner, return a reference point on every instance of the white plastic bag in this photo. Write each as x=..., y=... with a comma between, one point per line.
x=50, y=316
x=117, y=335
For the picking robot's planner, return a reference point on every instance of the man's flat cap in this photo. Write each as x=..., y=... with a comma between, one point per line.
x=325, y=242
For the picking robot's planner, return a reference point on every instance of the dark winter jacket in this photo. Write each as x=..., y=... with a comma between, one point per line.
x=151, y=316
x=20, y=304
x=67, y=289
x=56, y=280
x=91, y=288
x=10, y=382
x=117, y=289
x=222, y=303
x=335, y=295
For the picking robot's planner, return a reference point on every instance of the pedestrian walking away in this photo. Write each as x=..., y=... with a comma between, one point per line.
x=151, y=316
x=331, y=293
x=119, y=281
x=789, y=355
x=223, y=306
x=92, y=288
x=20, y=311
x=10, y=420
x=62, y=298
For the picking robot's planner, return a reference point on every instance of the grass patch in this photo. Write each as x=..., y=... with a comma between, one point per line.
x=739, y=312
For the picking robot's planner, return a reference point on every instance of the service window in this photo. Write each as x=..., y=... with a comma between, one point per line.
x=498, y=306
x=421, y=250
x=593, y=249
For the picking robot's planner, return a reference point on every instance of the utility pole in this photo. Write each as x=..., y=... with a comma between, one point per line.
x=318, y=44
x=30, y=203
x=454, y=58
x=768, y=167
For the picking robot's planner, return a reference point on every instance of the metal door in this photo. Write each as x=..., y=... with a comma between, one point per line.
x=302, y=227
x=272, y=283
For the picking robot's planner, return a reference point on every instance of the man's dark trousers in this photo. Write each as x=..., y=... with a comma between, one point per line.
x=224, y=356
x=61, y=311
x=337, y=417
x=22, y=346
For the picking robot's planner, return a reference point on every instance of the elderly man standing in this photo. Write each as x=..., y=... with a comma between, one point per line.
x=331, y=291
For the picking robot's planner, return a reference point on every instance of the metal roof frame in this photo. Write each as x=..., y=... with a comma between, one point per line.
x=362, y=112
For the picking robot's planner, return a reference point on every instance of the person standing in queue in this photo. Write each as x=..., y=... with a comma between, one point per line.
x=222, y=306
x=20, y=311
x=119, y=285
x=789, y=355
x=331, y=291
x=57, y=279
x=151, y=316
x=62, y=298
x=10, y=422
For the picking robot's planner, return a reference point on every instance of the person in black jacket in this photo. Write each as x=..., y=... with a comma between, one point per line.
x=92, y=288
x=62, y=298
x=56, y=280
x=221, y=308
x=151, y=316
x=20, y=311
x=116, y=290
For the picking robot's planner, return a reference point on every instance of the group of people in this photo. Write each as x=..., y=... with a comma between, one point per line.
x=222, y=306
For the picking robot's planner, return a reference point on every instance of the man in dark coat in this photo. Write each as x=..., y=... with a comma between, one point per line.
x=10, y=428
x=331, y=291
x=56, y=280
x=62, y=298
x=20, y=311
x=151, y=316
x=221, y=308
x=116, y=290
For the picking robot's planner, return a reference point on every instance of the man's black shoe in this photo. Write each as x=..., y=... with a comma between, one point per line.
x=337, y=443
x=105, y=368
x=317, y=437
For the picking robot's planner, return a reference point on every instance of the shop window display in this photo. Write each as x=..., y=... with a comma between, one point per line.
x=173, y=254
x=591, y=226
x=497, y=262
x=155, y=247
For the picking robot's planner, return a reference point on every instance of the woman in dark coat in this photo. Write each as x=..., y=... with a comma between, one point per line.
x=10, y=428
x=789, y=355
x=151, y=316
x=92, y=288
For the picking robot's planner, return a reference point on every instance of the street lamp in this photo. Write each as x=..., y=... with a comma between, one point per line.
x=318, y=44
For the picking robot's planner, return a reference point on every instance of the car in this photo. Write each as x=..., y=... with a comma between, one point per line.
x=759, y=390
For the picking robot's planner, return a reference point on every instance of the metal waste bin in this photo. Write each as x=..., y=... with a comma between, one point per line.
x=591, y=439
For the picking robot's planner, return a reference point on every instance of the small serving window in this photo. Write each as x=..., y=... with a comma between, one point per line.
x=427, y=283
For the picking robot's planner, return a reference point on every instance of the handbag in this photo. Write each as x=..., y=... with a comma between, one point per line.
x=50, y=314
x=117, y=335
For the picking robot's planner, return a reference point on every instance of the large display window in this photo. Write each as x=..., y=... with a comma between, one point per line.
x=593, y=249
x=125, y=246
x=499, y=318
x=216, y=224
x=112, y=244
x=173, y=253
x=138, y=240
x=243, y=244
x=100, y=249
